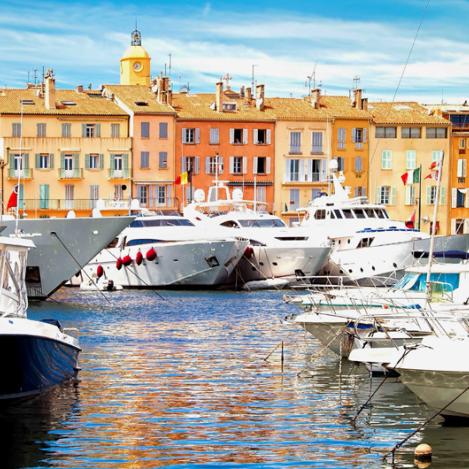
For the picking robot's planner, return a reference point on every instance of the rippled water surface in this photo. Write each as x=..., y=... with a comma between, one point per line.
x=182, y=382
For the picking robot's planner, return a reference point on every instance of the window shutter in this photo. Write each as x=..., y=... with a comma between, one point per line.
x=197, y=135
x=25, y=161
x=87, y=161
x=408, y=194
x=254, y=136
x=51, y=160
x=466, y=226
x=287, y=177
x=378, y=195
x=183, y=164
x=459, y=172
x=365, y=135
x=269, y=136
x=38, y=160
x=443, y=196
x=454, y=198
x=354, y=130
x=267, y=165
x=464, y=168
x=453, y=226
x=323, y=170
x=393, y=197
x=111, y=162
x=358, y=163
x=207, y=165
x=98, y=130
x=83, y=130
x=125, y=161
x=184, y=134
x=76, y=161
x=245, y=165
x=221, y=166
x=245, y=136
x=429, y=195
x=232, y=136
x=197, y=165
x=101, y=161
x=301, y=171
x=466, y=199
x=62, y=160
x=254, y=167
x=231, y=164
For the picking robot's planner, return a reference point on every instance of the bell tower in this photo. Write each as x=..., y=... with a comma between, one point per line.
x=135, y=63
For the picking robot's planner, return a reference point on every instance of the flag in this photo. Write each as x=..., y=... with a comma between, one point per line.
x=411, y=176
x=13, y=200
x=182, y=179
x=434, y=168
x=411, y=223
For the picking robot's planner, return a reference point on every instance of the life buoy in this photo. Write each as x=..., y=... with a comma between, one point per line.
x=139, y=258
x=126, y=260
x=99, y=271
x=119, y=263
x=151, y=254
x=248, y=252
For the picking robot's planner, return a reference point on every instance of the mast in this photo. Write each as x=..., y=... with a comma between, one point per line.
x=420, y=197
x=20, y=170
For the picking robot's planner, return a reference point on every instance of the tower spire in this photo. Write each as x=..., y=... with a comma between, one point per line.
x=136, y=36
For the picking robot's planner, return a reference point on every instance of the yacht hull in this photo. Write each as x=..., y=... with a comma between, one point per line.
x=59, y=256
x=178, y=264
x=33, y=361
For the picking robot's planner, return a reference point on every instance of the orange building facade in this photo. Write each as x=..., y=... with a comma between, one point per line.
x=227, y=136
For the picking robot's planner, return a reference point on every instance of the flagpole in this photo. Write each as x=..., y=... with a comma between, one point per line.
x=420, y=196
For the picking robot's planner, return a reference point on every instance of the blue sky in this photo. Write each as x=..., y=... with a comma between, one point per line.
x=83, y=41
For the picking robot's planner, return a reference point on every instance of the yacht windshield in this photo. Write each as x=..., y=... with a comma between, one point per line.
x=257, y=223
x=161, y=222
x=407, y=281
x=441, y=282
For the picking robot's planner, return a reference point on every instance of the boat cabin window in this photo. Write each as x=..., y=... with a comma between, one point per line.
x=370, y=213
x=347, y=213
x=380, y=213
x=320, y=214
x=359, y=213
x=179, y=221
x=113, y=243
x=332, y=214
x=137, y=242
x=365, y=242
x=338, y=213
x=268, y=223
x=230, y=224
x=385, y=214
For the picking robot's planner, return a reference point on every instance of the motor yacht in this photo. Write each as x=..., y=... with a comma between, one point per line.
x=274, y=251
x=167, y=251
x=37, y=354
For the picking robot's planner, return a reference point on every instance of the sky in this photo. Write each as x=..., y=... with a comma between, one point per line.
x=333, y=40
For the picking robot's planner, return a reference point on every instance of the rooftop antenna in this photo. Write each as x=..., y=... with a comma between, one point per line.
x=28, y=76
x=227, y=78
x=253, y=80
x=311, y=80
x=35, y=76
x=356, y=82
x=165, y=69
x=169, y=66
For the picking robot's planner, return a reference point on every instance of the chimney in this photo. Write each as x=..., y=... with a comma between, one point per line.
x=219, y=96
x=357, y=98
x=79, y=89
x=365, y=104
x=241, y=92
x=315, y=96
x=159, y=89
x=249, y=93
x=169, y=98
x=49, y=94
x=260, y=97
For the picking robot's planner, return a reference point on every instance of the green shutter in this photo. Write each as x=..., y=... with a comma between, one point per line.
x=76, y=161
x=25, y=160
x=38, y=160
x=111, y=163
x=98, y=130
x=44, y=196
x=21, y=196
x=101, y=161
x=87, y=161
x=62, y=160
x=125, y=163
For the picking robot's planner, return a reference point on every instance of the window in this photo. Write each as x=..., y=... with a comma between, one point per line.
x=163, y=160
x=358, y=164
x=261, y=165
x=460, y=198
x=261, y=193
x=359, y=135
x=214, y=165
x=409, y=194
x=462, y=143
x=295, y=143
x=43, y=161
x=384, y=195
x=161, y=195
x=238, y=136
x=293, y=170
x=230, y=107
x=191, y=163
x=294, y=199
x=214, y=136
x=459, y=226
x=437, y=155
x=340, y=163
x=261, y=136
x=360, y=191
x=437, y=132
x=348, y=213
x=316, y=142
x=431, y=195
x=94, y=194
x=68, y=161
x=142, y=194
x=115, y=130
x=386, y=132
x=191, y=135
x=91, y=130
x=341, y=136
x=238, y=165
x=118, y=192
x=338, y=213
x=411, y=132
x=66, y=130
x=16, y=129
x=386, y=159
x=94, y=161
x=69, y=196
x=145, y=129
x=462, y=168
x=411, y=159
x=117, y=163
x=163, y=130
x=144, y=159
x=314, y=170
x=41, y=130
x=315, y=193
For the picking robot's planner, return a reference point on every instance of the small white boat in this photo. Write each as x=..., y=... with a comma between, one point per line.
x=267, y=284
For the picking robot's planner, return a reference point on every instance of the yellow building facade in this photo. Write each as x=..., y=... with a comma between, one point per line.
x=68, y=150
x=135, y=64
x=405, y=137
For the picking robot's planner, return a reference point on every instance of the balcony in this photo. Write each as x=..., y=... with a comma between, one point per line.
x=317, y=150
x=118, y=174
x=26, y=173
x=358, y=145
x=295, y=150
x=294, y=178
x=67, y=174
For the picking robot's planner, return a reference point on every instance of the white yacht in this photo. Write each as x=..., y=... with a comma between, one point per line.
x=167, y=251
x=274, y=250
x=63, y=247
x=366, y=244
x=36, y=354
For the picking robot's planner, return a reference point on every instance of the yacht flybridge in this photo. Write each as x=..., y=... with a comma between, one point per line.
x=274, y=250
x=366, y=243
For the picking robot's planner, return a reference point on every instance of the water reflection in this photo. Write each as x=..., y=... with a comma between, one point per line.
x=184, y=381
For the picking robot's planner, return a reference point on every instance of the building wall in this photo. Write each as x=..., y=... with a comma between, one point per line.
x=291, y=194
x=55, y=177
x=398, y=207
x=250, y=151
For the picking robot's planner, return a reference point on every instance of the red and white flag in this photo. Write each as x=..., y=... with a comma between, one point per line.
x=13, y=200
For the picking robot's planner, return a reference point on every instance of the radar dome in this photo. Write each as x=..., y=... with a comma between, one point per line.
x=199, y=195
x=237, y=194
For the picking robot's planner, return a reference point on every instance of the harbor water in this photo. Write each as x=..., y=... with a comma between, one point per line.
x=183, y=382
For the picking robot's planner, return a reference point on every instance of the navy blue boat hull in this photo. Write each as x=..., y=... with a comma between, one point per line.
x=31, y=365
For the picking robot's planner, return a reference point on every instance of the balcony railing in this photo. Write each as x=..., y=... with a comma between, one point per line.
x=316, y=150
x=26, y=173
x=295, y=150
x=75, y=173
x=358, y=145
x=308, y=177
x=118, y=174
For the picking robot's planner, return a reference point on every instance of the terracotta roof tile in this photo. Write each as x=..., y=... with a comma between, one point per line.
x=407, y=112
x=340, y=107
